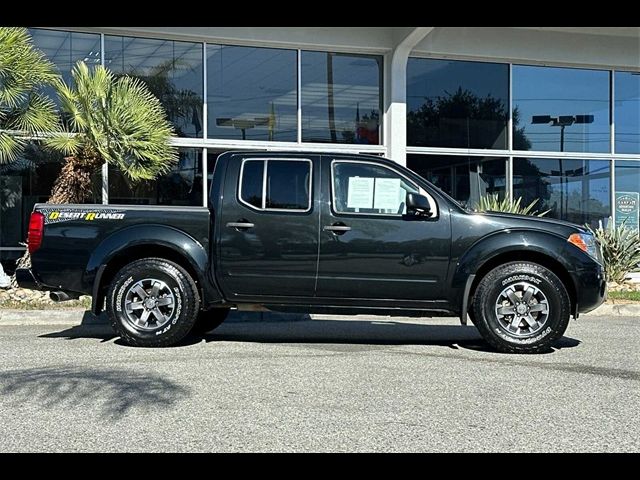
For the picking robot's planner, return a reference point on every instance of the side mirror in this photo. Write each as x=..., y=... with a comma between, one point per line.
x=418, y=205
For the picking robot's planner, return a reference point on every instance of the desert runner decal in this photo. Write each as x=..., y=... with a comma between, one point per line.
x=58, y=215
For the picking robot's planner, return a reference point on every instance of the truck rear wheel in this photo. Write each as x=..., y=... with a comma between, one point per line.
x=521, y=308
x=153, y=303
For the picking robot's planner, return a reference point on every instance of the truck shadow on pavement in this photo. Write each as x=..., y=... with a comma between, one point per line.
x=116, y=392
x=301, y=329
x=355, y=332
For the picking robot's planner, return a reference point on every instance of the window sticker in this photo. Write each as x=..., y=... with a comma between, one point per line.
x=388, y=194
x=360, y=193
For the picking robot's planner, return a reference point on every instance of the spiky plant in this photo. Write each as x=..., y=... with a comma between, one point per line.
x=108, y=119
x=620, y=249
x=25, y=111
x=492, y=203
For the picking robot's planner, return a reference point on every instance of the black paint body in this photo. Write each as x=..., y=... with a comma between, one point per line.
x=288, y=262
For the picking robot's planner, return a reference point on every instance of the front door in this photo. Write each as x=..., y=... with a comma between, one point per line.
x=369, y=247
x=268, y=227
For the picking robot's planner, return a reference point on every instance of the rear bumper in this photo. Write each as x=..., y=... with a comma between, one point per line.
x=26, y=279
x=591, y=288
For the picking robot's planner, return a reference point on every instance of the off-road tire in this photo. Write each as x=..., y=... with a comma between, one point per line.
x=186, y=303
x=487, y=319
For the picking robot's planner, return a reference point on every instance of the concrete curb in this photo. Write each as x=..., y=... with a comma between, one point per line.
x=76, y=317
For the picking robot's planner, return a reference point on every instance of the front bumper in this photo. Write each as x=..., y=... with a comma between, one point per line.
x=591, y=288
x=26, y=279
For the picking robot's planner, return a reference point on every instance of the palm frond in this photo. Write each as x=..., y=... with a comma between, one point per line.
x=24, y=72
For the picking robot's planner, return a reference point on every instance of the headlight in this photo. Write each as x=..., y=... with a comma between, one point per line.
x=586, y=243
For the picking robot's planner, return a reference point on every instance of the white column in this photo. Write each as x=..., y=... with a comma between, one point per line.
x=396, y=105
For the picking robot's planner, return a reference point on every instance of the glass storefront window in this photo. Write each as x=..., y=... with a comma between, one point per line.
x=181, y=187
x=172, y=71
x=24, y=183
x=252, y=93
x=455, y=104
x=65, y=49
x=341, y=98
x=627, y=195
x=561, y=109
x=578, y=191
x=627, y=112
x=467, y=179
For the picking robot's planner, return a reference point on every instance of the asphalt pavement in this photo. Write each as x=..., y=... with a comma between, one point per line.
x=327, y=385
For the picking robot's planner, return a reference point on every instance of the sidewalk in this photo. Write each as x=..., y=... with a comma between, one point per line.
x=82, y=317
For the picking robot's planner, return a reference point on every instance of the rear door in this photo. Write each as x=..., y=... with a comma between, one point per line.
x=369, y=247
x=269, y=224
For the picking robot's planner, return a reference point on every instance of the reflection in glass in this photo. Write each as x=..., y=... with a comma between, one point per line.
x=171, y=70
x=24, y=183
x=65, y=49
x=562, y=109
x=627, y=112
x=574, y=190
x=467, y=179
x=252, y=93
x=341, y=98
x=181, y=187
x=457, y=104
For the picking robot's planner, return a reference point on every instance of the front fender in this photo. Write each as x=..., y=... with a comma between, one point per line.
x=521, y=242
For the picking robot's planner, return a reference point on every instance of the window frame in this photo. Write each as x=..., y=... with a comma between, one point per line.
x=265, y=161
x=396, y=216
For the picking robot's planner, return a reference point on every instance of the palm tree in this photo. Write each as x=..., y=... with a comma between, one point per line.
x=25, y=111
x=109, y=119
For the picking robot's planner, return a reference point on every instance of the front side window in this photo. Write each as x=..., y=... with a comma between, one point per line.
x=276, y=185
x=368, y=189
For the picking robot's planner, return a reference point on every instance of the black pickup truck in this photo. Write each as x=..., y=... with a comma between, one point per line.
x=317, y=233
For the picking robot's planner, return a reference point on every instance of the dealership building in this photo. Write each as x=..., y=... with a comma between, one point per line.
x=539, y=113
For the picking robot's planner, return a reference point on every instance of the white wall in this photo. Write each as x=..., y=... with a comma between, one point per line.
x=603, y=47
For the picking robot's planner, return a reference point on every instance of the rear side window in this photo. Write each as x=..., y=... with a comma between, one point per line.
x=276, y=185
x=252, y=183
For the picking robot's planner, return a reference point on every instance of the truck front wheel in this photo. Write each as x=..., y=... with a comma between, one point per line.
x=153, y=303
x=521, y=308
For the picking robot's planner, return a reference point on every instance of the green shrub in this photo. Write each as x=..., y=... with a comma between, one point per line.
x=492, y=203
x=620, y=249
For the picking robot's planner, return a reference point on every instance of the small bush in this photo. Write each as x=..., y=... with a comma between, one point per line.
x=492, y=203
x=620, y=249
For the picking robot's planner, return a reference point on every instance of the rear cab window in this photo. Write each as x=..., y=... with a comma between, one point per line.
x=276, y=185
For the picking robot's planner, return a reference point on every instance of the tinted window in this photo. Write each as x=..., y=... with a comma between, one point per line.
x=171, y=70
x=180, y=187
x=252, y=93
x=627, y=112
x=252, y=183
x=467, y=179
x=288, y=185
x=561, y=109
x=341, y=96
x=574, y=190
x=369, y=189
x=457, y=104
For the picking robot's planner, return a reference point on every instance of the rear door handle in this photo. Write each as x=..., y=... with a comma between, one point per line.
x=242, y=225
x=339, y=229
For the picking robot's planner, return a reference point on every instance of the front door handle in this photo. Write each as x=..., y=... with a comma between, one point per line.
x=338, y=229
x=241, y=225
